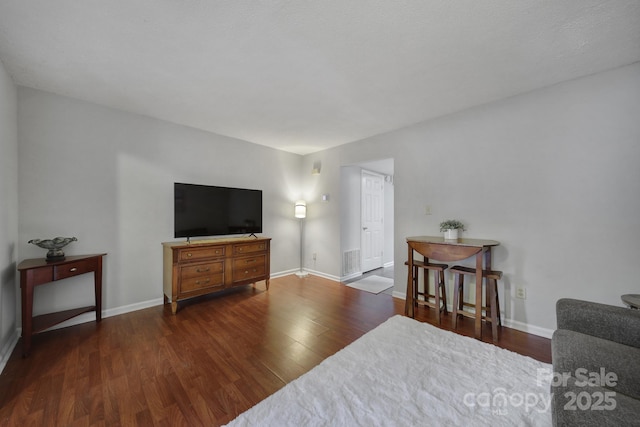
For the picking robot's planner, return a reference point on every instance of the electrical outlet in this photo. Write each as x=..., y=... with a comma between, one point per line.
x=427, y=210
x=314, y=256
x=521, y=293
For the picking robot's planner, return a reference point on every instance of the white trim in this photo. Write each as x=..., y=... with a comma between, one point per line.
x=8, y=348
x=350, y=276
x=326, y=276
x=530, y=329
x=509, y=323
x=399, y=295
x=284, y=273
x=388, y=265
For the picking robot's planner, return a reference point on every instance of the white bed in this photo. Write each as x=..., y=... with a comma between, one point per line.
x=408, y=373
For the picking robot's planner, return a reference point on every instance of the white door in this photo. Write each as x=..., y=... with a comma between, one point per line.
x=372, y=235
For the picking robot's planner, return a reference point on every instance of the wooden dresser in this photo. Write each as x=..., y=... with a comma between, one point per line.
x=206, y=266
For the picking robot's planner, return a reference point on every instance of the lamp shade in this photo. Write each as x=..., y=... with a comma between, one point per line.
x=300, y=209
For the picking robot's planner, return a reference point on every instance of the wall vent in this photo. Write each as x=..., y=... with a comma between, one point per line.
x=351, y=262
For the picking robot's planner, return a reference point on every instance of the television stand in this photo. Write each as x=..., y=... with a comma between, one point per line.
x=206, y=266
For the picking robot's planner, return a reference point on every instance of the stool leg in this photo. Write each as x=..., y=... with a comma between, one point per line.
x=460, y=279
x=492, y=291
x=415, y=285
x=444, y=293
x=457, y=300
x=436, y=292
x=498, y=305
x=487, y=298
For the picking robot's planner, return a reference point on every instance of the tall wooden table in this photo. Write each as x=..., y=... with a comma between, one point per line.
x=38, y=271
x=437, y=248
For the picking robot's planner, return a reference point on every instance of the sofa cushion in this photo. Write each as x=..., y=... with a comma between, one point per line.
x=574, y=405
x=612, y=365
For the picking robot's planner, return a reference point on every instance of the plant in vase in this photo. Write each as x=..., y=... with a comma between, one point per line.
x=451, y=228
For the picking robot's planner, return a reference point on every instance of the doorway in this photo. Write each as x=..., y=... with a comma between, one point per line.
x=372, y=220
x=351, y=217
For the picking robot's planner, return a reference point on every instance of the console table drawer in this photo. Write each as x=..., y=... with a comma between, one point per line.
x=249, y=248
x=73, y=269
x=200, y=253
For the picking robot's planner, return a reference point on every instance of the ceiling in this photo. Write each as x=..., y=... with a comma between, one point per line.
x=304, y=75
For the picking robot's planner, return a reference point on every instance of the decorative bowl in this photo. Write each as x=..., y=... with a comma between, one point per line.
x=54, y=245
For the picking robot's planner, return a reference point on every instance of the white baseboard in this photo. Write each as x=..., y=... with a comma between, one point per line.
x=530, y=329
x=83, y=318
x=509, y=323
x=350, y=276
x=399, y=295
x=6, y=351
x=321, y=274
x=284, y=273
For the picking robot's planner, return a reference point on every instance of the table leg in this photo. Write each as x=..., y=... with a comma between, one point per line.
x=408, y=307
x=492, y=294
x=478, y=317
x=27, y=311
x=97, y=279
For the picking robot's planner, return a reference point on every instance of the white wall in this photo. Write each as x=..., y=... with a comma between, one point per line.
x=552, y=174
x=8, y=215
x=106, y=177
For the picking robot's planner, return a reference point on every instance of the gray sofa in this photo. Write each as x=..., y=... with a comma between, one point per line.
x=596, y=364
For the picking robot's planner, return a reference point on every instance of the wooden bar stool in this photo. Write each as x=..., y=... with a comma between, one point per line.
x=440, y=294
x=492, y=302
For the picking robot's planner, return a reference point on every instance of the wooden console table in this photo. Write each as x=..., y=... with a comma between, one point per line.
x=34, y=272
x=437, y=248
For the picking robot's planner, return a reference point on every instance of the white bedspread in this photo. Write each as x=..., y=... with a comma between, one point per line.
x=408, y=373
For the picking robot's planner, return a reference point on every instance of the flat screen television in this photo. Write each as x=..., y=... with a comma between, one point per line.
x=205, y=210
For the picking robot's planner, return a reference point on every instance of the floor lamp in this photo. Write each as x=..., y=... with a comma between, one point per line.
x=301, y=212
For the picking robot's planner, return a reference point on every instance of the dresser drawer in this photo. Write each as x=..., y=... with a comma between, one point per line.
x=247, y=273
x=247, y=248
x=192, y=254
x=203, y=269
x=201, y=276
x=249, y=268
x=73, y=269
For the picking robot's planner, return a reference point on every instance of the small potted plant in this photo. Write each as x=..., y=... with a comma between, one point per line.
x=450, y=228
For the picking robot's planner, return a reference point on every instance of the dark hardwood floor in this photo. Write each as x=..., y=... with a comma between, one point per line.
x=218, y=356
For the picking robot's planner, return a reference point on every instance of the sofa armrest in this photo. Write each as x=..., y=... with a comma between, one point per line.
x=590, y=359
x=609, y=322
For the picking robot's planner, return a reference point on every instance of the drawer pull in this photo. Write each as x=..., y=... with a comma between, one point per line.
x=199, y=282
x=199, y=270
x=73, y=269
x=189, y=255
